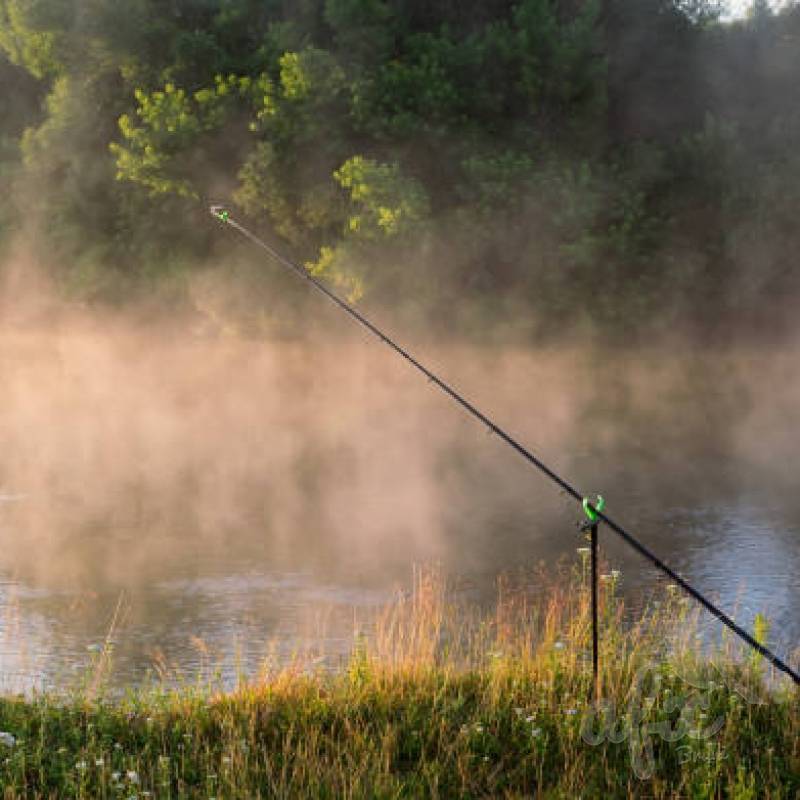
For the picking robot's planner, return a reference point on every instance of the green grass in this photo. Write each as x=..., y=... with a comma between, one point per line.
x=441, y=701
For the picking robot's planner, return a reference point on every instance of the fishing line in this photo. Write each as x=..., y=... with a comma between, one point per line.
x=594, y=510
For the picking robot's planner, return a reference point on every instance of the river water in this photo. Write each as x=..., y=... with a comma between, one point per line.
x=216, y=504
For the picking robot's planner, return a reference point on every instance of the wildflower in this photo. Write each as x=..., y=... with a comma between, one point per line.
x=117, y=746
x=558, y=646
x=478, y=728
x=7, y=739
x=115, y=776
x=80, y=766
x=132, y=776
x=530, y=718
x=535, y=732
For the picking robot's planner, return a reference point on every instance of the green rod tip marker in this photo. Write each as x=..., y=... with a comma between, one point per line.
x=221, y=213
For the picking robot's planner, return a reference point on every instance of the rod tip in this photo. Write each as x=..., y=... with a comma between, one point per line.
x=220, y=212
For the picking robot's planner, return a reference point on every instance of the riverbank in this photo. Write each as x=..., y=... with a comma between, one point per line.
x=438, y=701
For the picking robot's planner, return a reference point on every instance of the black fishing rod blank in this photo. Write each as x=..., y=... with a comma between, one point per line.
x=593, y=511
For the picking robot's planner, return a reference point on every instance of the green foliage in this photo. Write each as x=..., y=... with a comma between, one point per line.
x=288, y=173
x=29, y=31
x=387, y=204
x=506, y=153
x=171, y=122
x=363, y=30
x=559, y=67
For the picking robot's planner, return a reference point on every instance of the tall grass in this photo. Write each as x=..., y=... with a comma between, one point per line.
x=439, y=699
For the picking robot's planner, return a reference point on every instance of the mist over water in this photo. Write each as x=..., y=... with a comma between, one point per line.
x=243, y=498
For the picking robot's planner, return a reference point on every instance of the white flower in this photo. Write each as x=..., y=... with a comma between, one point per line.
x=559, y=646
x=80, y=766
x=7, y=739
x=536, y=732
x=115, y=776
x=132, y=776
x=530, y=719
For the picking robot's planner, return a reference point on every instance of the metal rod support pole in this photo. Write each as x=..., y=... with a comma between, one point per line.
x=595, y=624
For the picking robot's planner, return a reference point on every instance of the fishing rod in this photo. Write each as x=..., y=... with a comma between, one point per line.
x=593, y=510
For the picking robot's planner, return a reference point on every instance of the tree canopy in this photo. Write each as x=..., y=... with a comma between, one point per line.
x=628, y=163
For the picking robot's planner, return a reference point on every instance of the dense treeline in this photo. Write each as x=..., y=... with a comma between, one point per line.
x=631, y=163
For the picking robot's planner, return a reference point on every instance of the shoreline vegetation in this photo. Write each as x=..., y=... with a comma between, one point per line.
x=439, y=699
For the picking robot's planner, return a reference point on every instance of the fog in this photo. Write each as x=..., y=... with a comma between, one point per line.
x=158, y=460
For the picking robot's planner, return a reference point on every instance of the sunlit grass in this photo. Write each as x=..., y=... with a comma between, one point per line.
x=437, y=700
